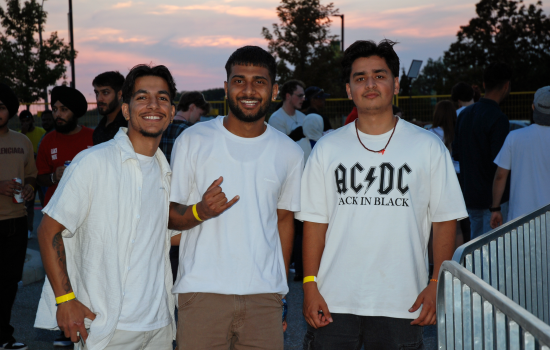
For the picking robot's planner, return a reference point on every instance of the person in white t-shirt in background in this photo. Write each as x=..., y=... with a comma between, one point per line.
x=370, y=193
x=104, y=238
x=288, y=119
x=233, y=267
x=463, y=95
x=525, y=155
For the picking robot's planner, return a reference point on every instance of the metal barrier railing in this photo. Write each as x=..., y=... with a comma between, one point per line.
x=515, y=260
x=473, y=315
x=420, y=108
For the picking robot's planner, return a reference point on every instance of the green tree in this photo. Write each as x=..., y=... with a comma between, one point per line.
x=504, y=30
x=26, y=68
x=303, y=46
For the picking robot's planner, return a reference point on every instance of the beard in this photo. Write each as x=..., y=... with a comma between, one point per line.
x=67, y=127
x=151, y=134
x=110, y=108
x=239, y=113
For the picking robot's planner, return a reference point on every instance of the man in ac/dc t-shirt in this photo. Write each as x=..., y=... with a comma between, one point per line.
x=370, y=193
x=68, y=139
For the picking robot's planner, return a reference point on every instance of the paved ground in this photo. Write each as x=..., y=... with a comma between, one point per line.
x=26, y=303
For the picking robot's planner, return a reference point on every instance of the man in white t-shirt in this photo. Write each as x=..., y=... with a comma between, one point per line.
x=463, y=95
x=233, y=267
x=288, y=119
x=104, y=239
x=525, y=154
x=371, y=191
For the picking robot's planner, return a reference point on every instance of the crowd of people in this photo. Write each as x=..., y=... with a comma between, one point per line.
x=152, y=209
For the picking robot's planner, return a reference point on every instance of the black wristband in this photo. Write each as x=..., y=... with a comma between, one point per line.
x=492, y=210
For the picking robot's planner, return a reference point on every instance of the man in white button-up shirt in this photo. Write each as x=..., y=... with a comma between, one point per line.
x=105, y=237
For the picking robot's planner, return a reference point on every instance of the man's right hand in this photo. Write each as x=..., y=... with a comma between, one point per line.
x=70, y=319
x=313, y=303
x=8, y=187
x=496, y=219
x=59, y=173
x=214, y=201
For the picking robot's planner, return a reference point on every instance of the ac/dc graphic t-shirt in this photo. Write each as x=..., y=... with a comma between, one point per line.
x=379, y=209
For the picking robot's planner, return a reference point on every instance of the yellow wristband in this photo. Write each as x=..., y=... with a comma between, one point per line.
x=32, y=188
x=310, y=279
x=433, y=280
x=64, y=298
x=195, y=212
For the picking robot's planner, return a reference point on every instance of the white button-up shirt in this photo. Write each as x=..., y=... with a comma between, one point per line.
x=98, y=201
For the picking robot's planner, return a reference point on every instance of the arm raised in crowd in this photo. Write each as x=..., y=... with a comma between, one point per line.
x=314, y=245
x=71, y=314
x=444, y=247
x=213, y=203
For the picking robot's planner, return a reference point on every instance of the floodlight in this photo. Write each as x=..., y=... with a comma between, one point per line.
x=415, y=69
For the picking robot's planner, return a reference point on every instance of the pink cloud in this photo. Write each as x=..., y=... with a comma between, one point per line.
x=219, y=41
x=239, y=11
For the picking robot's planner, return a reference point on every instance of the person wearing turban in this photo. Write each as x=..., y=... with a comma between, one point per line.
x=68, y=139
x=16, y=161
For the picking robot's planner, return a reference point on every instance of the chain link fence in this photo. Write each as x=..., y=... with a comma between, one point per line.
x=419, y=108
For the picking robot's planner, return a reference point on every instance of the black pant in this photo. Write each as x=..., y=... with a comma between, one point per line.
x=13, y=248
x=351, y=332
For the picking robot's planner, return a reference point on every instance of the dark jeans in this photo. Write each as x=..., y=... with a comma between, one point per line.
x=13, y=248
x=351, y=332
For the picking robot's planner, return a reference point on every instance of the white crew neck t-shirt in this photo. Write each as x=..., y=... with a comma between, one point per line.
x=379, y=210
x=238, y=252
x=441, y=134
x=526, y=154
x=286, y=123
x=145, y=292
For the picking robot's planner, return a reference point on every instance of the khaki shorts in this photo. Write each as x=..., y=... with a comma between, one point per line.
x=218, y=321
x=158, y=339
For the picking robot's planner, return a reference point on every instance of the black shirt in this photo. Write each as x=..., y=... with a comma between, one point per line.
x=326, y=122
x=479, y=135
x=104, y=133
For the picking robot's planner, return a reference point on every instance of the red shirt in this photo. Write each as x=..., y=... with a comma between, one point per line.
x=56, y=148
x=352, y=116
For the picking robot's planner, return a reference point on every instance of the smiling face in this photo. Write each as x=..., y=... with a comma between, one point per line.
x=249, y=92
x=150, y=110
x=372, y=84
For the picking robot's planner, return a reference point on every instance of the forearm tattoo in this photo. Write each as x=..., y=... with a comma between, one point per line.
x=59, y=248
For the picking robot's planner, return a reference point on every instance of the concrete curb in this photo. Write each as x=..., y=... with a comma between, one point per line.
x=33, y=270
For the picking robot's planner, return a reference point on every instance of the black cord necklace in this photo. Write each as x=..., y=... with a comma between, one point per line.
x=370, y=150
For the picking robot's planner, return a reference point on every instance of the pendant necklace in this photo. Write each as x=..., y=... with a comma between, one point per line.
x=370, y=150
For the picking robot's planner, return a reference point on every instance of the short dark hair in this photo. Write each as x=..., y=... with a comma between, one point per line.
x=462, y=92
x=143, y=70
x=496, y=75
x=192, y=97
x=368, y=48
x=113, y=79
x=289, y=87
x=26, y=114
x=252, y=56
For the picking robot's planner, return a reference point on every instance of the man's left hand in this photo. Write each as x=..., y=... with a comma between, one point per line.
x=426, y=299
x=27, y=193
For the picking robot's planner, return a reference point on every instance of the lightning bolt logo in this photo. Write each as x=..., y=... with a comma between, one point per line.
x=370, y=178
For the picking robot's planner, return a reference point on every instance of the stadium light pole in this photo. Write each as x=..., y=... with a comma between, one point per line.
x=70, y=15
x=342, y=32
x=414, y=70
x=40, y=37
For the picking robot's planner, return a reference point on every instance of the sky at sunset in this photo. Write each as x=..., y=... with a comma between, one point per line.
x=195, y=38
